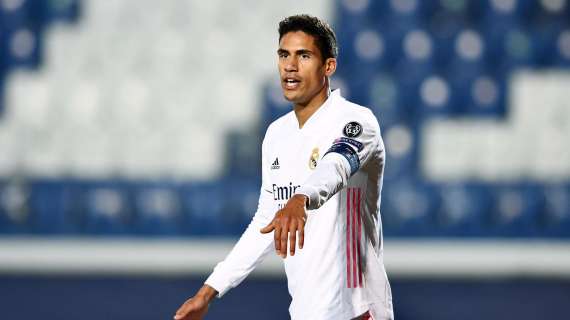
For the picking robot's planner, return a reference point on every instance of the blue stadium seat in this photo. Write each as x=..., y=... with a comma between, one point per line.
x=510, y=50
x=548, y=12
x=2, y=86
x=395, y=40
x=222, y=208
x=241, y=199
x=157, y=209
x=544, y=38
x=366, y=52
x=515, y=211
x=444, y=35
x=21, y=46
x=243, y=154
x=485, y=95
x=203, y=205
x=351, y=17
x=54, y=207
x=459, y=11
x=369, y=52
x=358, y=91
x=21, y=30
x=436, y=98
x=14, y=13
x=107, y=208
x=383, y=100
x=411, y=73
x=274, y=105
x=61, y=11
x=556, y=215
x=399, y=14
x=401, y=143
x=416, y=63
x=464, y=209
x=462, y=76
x=39, y=13
x=560, y=51
x=14, y=207
x=407, y=208
x=501, y=13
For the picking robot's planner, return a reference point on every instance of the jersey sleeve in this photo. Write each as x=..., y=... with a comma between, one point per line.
x=252, y=247
x=358, y=143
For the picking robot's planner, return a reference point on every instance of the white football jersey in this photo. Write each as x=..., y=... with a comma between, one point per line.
x=337, y=160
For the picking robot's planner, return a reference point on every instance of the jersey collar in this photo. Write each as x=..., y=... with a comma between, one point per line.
x=311, y=122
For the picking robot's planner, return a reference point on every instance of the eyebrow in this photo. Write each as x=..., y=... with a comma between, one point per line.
x=298, y=52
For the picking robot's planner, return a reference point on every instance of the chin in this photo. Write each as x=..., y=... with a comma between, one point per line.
x=291, y=97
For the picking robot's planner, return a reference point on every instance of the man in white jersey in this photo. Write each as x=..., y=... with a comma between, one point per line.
x=322, y=169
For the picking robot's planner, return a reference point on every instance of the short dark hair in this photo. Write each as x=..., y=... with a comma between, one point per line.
x=323, y=33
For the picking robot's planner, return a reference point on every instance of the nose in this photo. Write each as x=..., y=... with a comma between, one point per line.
x=291, y=64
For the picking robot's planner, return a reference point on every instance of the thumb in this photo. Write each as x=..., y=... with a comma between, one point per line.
x=268, y=228
x=180, y=315
x=183, y=311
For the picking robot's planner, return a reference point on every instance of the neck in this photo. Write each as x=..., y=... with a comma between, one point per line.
x=304, y=111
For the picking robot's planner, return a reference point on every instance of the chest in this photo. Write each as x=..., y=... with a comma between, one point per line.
x=293, y=156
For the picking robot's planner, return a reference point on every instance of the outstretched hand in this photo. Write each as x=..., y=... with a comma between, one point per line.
x=287, y=222
x=196, y=307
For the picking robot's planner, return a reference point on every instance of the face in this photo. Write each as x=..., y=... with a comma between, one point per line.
x=302, y=69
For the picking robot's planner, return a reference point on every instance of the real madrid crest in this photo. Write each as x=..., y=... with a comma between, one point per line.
x=313, y=159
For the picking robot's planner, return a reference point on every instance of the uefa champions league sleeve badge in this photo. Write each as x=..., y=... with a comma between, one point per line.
x=313, y=159
x=352, y=129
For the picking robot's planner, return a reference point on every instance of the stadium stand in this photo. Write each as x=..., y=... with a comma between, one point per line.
x=123, y=152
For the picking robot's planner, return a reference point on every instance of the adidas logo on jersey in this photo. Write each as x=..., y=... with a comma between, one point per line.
x=275, y=164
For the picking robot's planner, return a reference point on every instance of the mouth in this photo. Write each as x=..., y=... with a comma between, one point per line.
x=291, y=83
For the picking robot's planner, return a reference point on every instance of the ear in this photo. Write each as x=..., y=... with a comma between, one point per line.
x=330, y=66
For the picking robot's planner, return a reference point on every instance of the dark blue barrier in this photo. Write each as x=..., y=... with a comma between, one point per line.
x=114, y=297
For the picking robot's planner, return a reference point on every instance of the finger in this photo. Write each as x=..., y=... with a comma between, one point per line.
x=301, y=234
x=181, y=312
x=277, y=237
x=283, y=238
x=268, y=228
x=292, y=238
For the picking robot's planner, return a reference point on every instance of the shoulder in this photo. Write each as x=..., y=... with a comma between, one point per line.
x=280, y=123
x=278, y=126
x=357, y=110
x=352, y=116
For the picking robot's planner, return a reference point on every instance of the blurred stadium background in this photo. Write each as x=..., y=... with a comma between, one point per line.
x=130, y=142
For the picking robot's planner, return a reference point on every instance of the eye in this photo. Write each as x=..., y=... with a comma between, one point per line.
x=282, y=54
x=306, y=56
